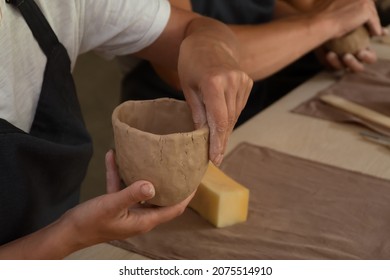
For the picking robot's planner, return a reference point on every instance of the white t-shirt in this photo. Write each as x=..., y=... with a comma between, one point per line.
x=110, y=27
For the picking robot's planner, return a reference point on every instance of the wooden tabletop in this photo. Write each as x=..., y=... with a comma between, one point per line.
x=306, y=137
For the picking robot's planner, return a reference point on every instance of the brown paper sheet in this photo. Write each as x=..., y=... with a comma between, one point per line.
x=370, y=88
x=299, y=209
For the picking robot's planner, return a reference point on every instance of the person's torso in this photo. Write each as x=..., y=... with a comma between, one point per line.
x=111, y=27
x=45, y=152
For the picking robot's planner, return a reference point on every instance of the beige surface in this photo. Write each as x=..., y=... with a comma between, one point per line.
x=302, y=136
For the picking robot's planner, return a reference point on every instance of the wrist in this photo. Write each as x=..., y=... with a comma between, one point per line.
x=321, y=26
x=66, y=235
x=206, y=32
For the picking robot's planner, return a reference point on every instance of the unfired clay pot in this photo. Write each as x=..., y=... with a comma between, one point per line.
x=155, y=140
x=353, y=42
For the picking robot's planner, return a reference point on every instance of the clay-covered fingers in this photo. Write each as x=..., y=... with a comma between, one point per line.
x=224, y=98
x=198, y=111
x=217, y=119
x=243, y=94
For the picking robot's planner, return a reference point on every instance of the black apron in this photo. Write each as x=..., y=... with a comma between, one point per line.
x=41, y=171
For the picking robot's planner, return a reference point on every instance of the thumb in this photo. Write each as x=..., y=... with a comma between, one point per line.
x=133, y=194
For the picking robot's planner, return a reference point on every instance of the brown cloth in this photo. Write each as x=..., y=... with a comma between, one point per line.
x=370, y=89
x=299, y=209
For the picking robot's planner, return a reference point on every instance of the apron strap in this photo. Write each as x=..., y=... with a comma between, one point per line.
x=38, y=24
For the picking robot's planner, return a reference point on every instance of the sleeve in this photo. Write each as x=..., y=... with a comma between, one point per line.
x=120, y=27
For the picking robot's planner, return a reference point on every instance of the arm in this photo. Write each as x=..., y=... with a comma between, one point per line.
x=354, y=62
x=266, y=48
x=116, y=215
x=283, y=41
x=205, y=53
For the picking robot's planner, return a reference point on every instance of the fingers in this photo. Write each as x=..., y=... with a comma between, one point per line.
x=197, y=107
x=133, y=194
x=224, y=98
x=348, y=61
x=367, y=56
x=217, y=119
x=209, y=111
x=148, y=218
x=112, y=176
x=143, y=219
x=334, y=61
x=243, y=95
x=354, y=63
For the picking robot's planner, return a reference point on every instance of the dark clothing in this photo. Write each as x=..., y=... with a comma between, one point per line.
x=383, y=9
x=236, y=11
x=41, y=171
x=143, y=83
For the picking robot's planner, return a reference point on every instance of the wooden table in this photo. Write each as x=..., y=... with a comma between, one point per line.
x=306, y=137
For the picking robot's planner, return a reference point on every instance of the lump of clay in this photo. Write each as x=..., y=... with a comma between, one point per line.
x=353, y=42
x=155, y=140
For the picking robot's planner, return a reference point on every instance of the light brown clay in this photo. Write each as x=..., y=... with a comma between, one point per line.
x=155, y=140
x=353, y=42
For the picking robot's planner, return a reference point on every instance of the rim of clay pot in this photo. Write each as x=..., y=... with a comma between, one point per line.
x=116, y=120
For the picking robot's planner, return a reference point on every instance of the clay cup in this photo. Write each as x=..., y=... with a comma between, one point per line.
x=155, y=140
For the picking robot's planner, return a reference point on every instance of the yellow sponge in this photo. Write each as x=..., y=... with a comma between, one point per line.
x=221, y=200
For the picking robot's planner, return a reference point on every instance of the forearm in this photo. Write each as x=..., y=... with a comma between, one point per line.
x=196, y=32
x=207, y=32
x=211, y=38
x=51, y=242
x=267, y=48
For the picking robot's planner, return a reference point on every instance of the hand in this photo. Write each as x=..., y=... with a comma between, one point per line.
x=346, y=15
x=118, y=214
x=350, y=62
x=354, y=63
x=215, y=88
x=205, y=53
